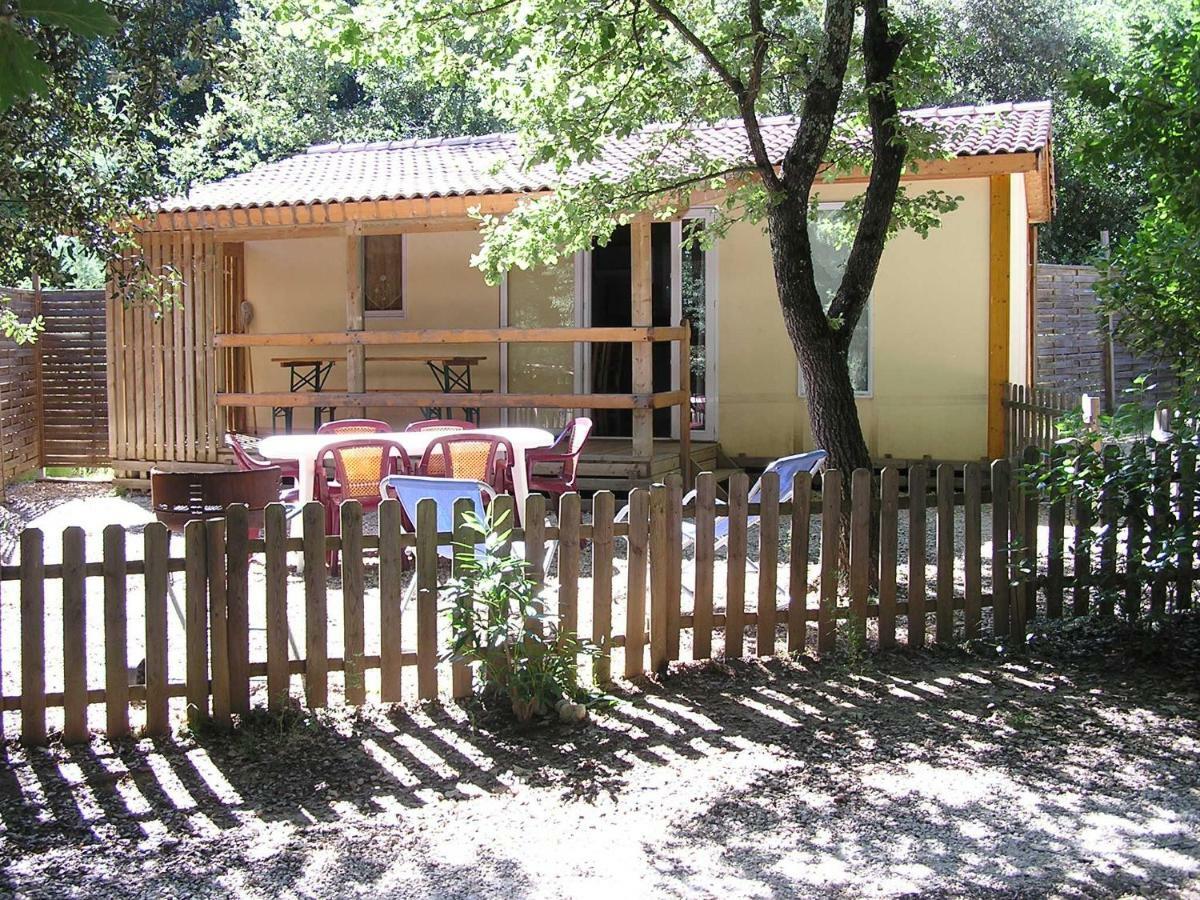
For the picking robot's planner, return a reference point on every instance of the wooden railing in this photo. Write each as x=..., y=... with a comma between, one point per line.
x=1031, y=415
x=636, y=617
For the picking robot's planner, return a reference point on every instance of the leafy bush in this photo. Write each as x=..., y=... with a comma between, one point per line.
x=1120, y=477
x=498, y=620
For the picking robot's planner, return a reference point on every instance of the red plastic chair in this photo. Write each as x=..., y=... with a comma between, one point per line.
x=358, y=467
x=355, y=426
x=477, y=457
x=442, y=426
x=559, y=462
x=245, y=446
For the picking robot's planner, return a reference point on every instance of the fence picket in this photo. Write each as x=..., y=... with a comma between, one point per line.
x=860, y=553
x=1081, y=559
x=1056, y=527
x=972, y=550
x=702, y=601
x=316, y=611
x=157, y=544
x=218, y=623
x=534, y=521
x=917, y=483
x=659, y=563
x=1001, y=592
x=735, y=581
x=237, y=606
x=945, y=554
x=603, y=505
x=1160, y=538
x=768, y=563
x=427, y=588
x=635, y=607
x=568, y=561
x=74, y=595
x=1186, y=500
x=195, y=616
x=798, y=562
x=889, y=538
x=1027, y=606
x=391, y=601
x=275, y=530
x=831, y=529
x=116, y=653
x=353, y=601
x=674, y=562
x=1109, y=519
x=33, y=638
x=461, y=682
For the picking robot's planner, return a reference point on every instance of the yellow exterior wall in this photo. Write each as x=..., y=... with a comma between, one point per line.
x=300, y=285
x=929, y=341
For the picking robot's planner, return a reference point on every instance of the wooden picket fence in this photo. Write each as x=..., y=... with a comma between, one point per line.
x=220, y=674
x=1031, y=416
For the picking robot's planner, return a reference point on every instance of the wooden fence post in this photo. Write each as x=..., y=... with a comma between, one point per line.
x=116, y=656
x=1001, y=542
x=674, y=563
x=635, y=607
x=702, y=601
x=944, y=629
x=831, y=531
x=74, y=594
x=1026, y=607
x=1186, y=499
x=972, y=550
x=735, y=572
x=316, y=610
x=237, y=605
x=860, y=553
x=602, y=572
x=768, y=562
x=353, y=624
x=33, y=638
x=218, y=622
x=157, y=554
x=534, y=521
x=568, y=562
x=916, y=555
x=275, y=530
x=460, y=673
x=889, y=540
x=658, y=577
x=1109, y=522
x=427, y=589
x=391, y=601
x=195, y=618
x=798, y=562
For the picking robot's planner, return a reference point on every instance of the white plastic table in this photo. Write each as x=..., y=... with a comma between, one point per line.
x=305, y=448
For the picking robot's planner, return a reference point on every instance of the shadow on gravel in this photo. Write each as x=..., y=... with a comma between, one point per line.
x=965, y=765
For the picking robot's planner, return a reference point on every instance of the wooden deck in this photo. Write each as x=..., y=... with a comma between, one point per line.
x=609, y=463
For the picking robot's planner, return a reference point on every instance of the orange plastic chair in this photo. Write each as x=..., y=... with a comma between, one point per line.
x=358, y=467
x=355, y=426
x=476, y=457
x=442, y=426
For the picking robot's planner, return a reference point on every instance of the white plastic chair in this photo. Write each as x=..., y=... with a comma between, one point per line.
x=787, y=467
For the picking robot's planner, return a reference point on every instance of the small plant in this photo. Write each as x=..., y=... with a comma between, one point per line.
x=498, y=620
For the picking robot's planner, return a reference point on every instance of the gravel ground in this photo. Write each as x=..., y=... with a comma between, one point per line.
x=908, y=774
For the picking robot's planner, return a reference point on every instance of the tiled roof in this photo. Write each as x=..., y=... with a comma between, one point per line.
x=491, y=164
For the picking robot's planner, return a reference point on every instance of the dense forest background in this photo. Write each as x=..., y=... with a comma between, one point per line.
x=189, y=90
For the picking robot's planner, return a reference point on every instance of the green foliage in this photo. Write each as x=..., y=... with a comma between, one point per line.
x=1151, y=110
x=498, y=620
x=14, y=329
x=1119, y=475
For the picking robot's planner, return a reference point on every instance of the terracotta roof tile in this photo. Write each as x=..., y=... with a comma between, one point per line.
x=490, y=164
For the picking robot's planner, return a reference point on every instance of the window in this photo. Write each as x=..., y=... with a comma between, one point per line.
x=829, y=262
x=383, y=275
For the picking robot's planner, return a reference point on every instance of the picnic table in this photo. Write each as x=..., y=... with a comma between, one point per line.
x=309, y=373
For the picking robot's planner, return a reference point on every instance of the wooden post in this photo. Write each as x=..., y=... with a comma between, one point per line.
x=316, y=612
x=602, y=562
x=860, y=553
x=642, y=313
x=195, y=616
x=768, y=563
x=157, y=555
x=568, y=562
x=889, y=543
x=972, y=549
x=427, y=641
x=945, y=554
x=353, y=625
x=635, y=607
x=33, y=637
x=735, y=571
x=798, y=562
x=237, y=605
x=391, y=601
x=218, y=622
x=460, y=673
x=702, y=603
x=278, y=677
x=1001, y=540
x=831, y=528
x=356, y=357
x=74, y=590
x=674, y=562
x=916, y=556
x=999, y=280
x=534, y=521
x=659, y=562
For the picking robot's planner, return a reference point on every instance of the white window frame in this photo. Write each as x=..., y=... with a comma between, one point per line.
x=867, y=317
x=401, y=313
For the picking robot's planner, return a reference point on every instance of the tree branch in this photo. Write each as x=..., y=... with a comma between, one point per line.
x=731, y=80
x=881, y=51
